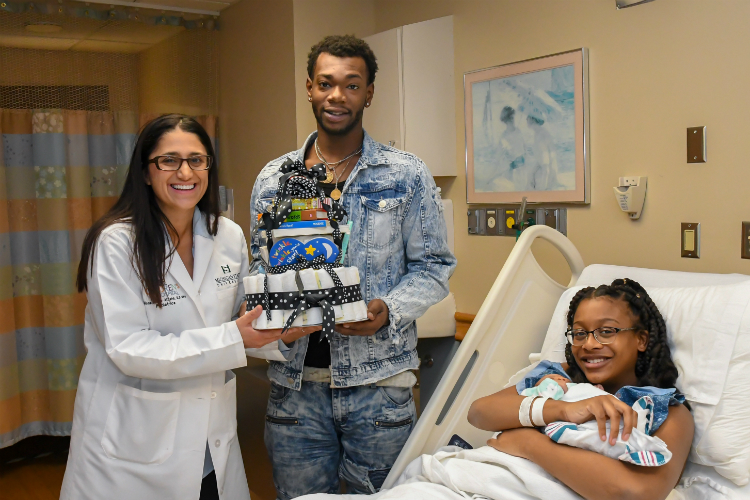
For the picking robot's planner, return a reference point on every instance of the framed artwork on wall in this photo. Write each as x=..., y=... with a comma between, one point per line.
x=527, y=131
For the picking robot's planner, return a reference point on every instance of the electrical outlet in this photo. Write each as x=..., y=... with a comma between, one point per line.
x=745, y=240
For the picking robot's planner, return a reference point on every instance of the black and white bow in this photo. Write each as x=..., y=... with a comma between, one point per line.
x=301, y=263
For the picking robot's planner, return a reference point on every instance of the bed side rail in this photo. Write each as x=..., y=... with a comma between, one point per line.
x=510, y=324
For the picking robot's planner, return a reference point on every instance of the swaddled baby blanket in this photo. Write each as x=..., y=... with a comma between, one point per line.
x=639, y=449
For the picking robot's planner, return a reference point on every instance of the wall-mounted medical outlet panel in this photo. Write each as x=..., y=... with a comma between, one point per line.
x=745, y=240
x=690, y=240
x=477, y=222
x=499, y=220
x=696, y=145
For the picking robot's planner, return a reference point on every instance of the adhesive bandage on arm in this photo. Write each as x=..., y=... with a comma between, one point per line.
x=524, y=411
x=537, y=412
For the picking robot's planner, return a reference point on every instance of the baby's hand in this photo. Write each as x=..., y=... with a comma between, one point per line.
x=561, y=381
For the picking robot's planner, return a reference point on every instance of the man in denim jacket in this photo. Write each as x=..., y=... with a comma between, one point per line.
x=345, y=409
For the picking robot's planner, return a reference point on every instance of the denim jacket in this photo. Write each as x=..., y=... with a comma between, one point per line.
x=398, y=242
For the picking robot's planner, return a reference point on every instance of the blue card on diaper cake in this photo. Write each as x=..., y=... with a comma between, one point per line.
x=321, y=246
x=285, y=250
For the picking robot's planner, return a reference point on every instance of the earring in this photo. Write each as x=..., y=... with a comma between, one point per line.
x=367, y=104
x=309, y=99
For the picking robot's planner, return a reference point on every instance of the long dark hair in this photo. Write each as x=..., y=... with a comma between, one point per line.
x=137, y=206
x=654, y=367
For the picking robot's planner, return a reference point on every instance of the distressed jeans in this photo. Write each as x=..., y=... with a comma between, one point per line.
x=319, y=435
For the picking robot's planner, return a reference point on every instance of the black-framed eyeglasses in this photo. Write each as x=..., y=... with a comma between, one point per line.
x=603, y=335
x=171, y=163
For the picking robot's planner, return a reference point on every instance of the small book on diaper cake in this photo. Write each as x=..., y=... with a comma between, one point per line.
x=303, y=244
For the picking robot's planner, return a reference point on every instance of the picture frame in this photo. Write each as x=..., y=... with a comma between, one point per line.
x=527, y=131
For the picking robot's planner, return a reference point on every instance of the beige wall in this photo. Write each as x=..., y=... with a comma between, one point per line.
x=313, y=20
x=256, y=105
x=655, y=70
x=180, y=74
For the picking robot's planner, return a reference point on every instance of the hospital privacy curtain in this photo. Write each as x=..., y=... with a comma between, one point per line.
x=60, y=170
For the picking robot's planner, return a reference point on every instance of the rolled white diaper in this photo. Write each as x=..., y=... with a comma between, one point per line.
x=359, y=307
x=341, y=309
x=255, y=285
x=275, y=285
x=326, y=282
x=309, y=282
x=289, y=284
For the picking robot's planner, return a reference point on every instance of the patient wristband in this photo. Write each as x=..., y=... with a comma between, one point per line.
x=537, y=412
x=524, y=411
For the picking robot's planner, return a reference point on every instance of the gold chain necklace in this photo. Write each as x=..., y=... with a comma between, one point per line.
x=336, y=194
x=332, y=166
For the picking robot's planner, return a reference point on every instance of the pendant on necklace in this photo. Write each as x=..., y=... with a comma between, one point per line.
x=336, y=194
x=329, y=176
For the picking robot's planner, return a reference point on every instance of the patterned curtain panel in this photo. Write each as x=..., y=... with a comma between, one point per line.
x=59, y=171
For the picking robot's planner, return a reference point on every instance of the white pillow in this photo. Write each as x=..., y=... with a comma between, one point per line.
x=725, y=443
x=703, y=325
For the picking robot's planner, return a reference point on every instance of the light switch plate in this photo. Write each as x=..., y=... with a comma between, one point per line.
x=745, y=240
x=690, y=240
x=696, y=145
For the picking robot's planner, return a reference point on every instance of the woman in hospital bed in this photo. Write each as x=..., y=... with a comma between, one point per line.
x=617, y=341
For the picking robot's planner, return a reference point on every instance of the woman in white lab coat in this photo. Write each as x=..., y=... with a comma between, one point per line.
x=155, y=412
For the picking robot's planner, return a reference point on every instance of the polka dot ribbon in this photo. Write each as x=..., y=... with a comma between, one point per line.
x=301, y=263
x=337, y=296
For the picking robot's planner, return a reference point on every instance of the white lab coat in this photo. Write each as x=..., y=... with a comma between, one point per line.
x=155, y=385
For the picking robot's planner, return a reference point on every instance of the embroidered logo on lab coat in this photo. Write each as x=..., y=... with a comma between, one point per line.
x=170, y=294
x=224, y=282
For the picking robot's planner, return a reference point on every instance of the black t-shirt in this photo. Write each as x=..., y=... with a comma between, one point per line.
x=319, y=349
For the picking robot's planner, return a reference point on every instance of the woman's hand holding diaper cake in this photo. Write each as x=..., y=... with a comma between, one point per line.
x=253, y=338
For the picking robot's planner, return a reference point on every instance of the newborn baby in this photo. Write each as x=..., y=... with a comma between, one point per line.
x=639, y=449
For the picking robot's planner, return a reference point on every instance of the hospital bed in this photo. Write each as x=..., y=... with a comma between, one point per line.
x=509, y=332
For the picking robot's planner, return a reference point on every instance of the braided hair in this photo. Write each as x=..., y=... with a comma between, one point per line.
x=654, y=367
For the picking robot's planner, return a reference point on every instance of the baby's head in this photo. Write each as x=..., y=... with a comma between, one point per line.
x=617, y=337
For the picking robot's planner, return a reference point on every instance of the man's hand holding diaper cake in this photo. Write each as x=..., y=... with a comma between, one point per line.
x=590, y=414
x=377, y=317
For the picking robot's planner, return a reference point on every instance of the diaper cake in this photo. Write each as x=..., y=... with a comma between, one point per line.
x=303, y=241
